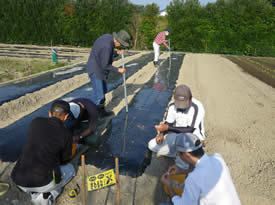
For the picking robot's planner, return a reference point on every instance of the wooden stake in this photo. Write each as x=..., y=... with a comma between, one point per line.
x=83, y=175
x=117, y=181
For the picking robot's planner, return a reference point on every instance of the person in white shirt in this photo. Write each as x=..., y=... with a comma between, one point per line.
x=185, y=115
x=209, y=183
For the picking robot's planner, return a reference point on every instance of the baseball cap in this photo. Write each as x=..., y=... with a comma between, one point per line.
x=60, y=106
x=182, y=96
x=75, y=109
x=187, y=142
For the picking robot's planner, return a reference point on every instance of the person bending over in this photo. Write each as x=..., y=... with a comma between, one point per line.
x=100, y=64
x=210, y=182
x=43, y=168
x=82, y=109
x=160, y=40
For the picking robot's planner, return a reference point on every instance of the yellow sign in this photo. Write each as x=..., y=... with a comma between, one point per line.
x=101, y=180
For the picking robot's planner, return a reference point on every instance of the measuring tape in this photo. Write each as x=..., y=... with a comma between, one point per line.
x=74, y=192
x=6, y=187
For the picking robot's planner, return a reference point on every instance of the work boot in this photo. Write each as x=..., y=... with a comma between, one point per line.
x=104, y=113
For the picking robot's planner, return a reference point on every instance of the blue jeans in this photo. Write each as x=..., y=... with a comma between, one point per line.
x=99, y=89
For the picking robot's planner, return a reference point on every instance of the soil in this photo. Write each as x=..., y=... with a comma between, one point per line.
x=67, y=54
x=267, y=62
x=16, y=109
x=239, y=122
x=259, y=69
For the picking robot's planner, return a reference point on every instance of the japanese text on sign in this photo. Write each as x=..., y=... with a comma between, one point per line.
x=101, y=180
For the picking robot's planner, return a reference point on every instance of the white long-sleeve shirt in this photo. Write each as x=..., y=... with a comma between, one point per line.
x=193, y=117
x=210, y=183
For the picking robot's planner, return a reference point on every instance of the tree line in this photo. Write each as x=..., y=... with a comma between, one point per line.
x=61, y=21
x=227, y=26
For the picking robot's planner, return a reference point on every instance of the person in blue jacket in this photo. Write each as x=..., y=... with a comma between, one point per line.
x=100, y=64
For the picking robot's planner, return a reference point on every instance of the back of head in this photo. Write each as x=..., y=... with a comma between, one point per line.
x=60, y=108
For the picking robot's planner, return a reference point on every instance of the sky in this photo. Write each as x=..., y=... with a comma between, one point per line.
x=163, y=3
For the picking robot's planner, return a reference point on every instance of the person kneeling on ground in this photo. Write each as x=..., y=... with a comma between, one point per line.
x=82, y=109
x=209, y=183
x=185, y=115
x=43, y=168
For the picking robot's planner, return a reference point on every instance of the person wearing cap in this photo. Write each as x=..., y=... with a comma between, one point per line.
x=43, y=167
x=160, y=40
x=100, y=64
x=210, y=181
x=185, y=115
x=82, y=109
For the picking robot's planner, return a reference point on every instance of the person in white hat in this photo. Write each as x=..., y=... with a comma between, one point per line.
x=209, y=183
x=82, y=109
x=185, y=115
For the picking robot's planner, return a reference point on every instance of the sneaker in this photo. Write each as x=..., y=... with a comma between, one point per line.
x=38, y=199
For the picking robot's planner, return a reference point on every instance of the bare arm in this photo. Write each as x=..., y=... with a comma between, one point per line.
x=166, y=45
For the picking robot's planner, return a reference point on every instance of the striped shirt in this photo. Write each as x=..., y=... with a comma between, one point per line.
x=160, y=38
x=193, y=117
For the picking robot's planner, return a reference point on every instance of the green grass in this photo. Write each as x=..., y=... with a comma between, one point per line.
x=13, y=69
